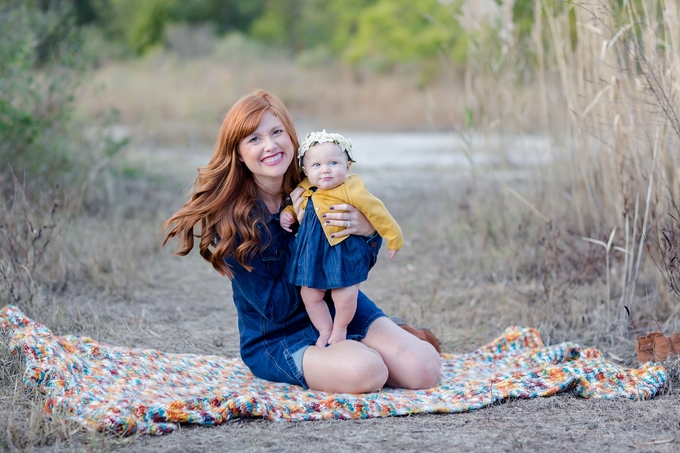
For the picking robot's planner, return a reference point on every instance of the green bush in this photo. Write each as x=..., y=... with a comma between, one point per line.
x=40, y=65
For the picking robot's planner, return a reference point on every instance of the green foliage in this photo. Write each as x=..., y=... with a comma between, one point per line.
x=227, y=15
x=276, y=23
x=139, y=25
x=402, y=30
x=42, y=62
x=378, y=33
x=39, y=69
x=295, y=24
x=148, y=24
x=523, y=16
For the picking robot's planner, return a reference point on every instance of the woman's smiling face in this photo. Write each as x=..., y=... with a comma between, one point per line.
x=268, y=151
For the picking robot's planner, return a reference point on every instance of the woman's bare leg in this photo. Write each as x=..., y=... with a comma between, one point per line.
x=412, y=363
x=344, y=367
x=318, y=313
x=345, y=300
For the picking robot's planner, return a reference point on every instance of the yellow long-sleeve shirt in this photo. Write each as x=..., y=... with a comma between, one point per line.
x=352, y=192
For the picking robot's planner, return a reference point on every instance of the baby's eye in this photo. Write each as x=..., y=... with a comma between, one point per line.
x=316, y=165
x=334, y=162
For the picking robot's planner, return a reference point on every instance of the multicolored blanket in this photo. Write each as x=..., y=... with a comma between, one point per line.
x=125, y=391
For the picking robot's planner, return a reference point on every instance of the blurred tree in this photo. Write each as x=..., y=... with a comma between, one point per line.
x=278, y=23
x=137, y=24
x=227, y=15
x=398, y=30
x=85, y=12
x=381, y=31
x=346, y=14
x=296, y=24
x=40, y=65
x=523, y=16
x=148, y=24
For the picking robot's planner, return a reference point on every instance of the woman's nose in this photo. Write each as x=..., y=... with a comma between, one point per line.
x=269, y=143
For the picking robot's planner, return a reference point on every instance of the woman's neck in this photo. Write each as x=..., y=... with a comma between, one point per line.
x=270, y=194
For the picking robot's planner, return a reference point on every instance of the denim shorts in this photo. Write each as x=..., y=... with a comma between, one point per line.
x=285, y=355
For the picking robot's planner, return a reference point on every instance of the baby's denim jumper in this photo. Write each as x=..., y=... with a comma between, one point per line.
x=317, y=264
x=273, y=324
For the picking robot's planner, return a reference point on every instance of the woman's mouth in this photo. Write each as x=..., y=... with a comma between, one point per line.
x=273, y=159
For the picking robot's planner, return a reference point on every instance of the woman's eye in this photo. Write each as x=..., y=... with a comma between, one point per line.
x=252, y=140
x=278, y=132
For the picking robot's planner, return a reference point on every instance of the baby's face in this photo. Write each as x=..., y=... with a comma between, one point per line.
x=326, y=165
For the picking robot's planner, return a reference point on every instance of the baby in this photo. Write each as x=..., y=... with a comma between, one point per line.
x=319, y=261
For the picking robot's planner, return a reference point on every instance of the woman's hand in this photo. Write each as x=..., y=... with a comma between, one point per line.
x=345, y=215
x=296, y=198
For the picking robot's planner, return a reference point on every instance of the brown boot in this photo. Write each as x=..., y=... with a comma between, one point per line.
x=645, y=347
x=665, y=347
x=421, y=332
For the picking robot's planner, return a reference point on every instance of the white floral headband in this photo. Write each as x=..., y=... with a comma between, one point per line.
x=314, y=138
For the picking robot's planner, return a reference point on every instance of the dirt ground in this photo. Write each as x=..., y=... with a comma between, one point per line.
x=190, y=311
x=185, y=307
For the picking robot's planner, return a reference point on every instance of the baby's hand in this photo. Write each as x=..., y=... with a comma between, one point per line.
x=391, y=253
x=287, y=220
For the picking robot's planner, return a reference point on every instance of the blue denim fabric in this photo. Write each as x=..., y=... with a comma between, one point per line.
x=313, y=262
x=272, y=320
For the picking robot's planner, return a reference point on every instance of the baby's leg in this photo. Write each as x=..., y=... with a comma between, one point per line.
x=318, y=313
x=345, y=300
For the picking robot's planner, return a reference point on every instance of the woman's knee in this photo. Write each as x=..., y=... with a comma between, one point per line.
x=423, y=367
x=368, y=373
x=344, y=367
x=412, y=362
x=430, y=369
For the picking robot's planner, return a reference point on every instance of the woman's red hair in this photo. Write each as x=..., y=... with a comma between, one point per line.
x=225, y=193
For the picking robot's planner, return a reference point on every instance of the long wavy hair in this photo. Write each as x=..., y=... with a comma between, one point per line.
x=224, y=195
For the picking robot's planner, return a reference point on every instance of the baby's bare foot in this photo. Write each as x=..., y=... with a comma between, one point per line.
x=338, y=335
x=322, y=342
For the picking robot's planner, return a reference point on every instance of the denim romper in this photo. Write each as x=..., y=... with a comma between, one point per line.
x=273, y=324
x=317, y=264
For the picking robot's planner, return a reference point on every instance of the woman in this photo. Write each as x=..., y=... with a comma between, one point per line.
x=237, y=200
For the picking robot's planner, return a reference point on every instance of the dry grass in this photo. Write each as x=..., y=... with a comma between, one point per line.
x=606, y=84
x=178, y=101
x=462, y=274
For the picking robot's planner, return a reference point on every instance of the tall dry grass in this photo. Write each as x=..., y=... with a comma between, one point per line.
x=605, y=79
x=68, y=261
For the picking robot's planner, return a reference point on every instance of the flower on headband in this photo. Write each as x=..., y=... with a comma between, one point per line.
x=314, y=138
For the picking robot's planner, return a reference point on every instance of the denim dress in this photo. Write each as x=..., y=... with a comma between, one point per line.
x=273, y=325
x=317, y=264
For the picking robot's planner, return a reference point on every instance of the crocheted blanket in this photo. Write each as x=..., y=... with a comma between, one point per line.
x=125, y=390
